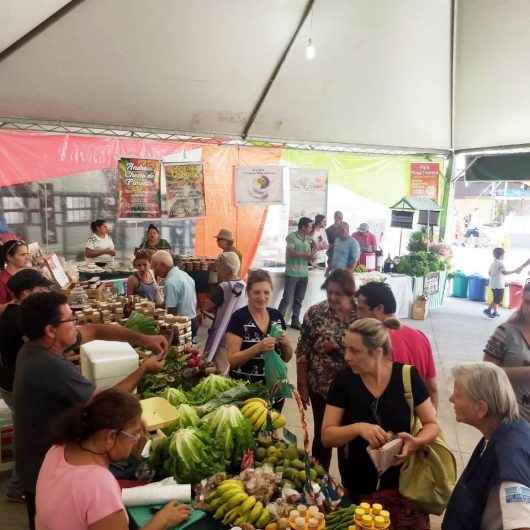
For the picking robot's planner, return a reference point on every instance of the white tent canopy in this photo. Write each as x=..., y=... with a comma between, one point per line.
x=382, y=75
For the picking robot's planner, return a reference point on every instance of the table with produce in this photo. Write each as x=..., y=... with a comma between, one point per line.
x=218, y=444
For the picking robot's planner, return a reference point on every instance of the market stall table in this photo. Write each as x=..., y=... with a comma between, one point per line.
x=401, y=287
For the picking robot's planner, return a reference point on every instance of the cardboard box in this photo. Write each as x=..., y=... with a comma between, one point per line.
x=420, y=308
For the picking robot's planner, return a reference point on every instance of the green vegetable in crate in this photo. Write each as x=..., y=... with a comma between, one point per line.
x=211, y=387
x=186, y=417
x=141, y=324
x=189, y=455
x=232, y=432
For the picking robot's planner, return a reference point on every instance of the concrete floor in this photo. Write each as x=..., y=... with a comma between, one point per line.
x=458, y=332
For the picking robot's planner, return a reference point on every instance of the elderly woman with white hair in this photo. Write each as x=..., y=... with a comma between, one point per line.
x=179, y=287
x=227, y=297
x=493, y=492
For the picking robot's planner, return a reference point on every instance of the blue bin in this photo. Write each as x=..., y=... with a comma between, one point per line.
x=477, y=288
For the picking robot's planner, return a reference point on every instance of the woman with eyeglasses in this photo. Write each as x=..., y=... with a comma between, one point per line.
x=14, y=256
x=75, y=489
x=366, y=407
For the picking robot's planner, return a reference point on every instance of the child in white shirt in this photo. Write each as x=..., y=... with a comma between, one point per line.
x=497, y=273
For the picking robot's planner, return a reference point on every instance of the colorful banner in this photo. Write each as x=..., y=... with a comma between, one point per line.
x=259, y=185
x=138, y=189
x=184, y=191
x=308, y=190
x=424, y=180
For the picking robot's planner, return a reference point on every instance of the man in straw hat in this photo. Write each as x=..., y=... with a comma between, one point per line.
x=225, y=241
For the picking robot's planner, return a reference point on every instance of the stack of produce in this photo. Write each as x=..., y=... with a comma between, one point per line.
x=189, y=455
x=256, y=410
x=232, y=432
x=287, y=461
x=234, y=506
x=368, y=516
x=341, y=519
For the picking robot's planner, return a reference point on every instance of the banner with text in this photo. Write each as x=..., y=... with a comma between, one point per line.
x=424, y=180
x=308, y=190
x=184, y=190
x=138, y=189
x=259, y=184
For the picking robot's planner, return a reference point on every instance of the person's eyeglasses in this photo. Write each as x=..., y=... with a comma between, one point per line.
x=135, y=437
x=59, y=322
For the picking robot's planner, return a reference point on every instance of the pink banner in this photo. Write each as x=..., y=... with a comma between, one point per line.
x=31, y=157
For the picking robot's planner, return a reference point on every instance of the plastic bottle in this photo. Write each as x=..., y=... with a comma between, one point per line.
x=312, y=523
x=299, y=523
x=293, y=515
x=379, y=522
x=358, y=515
x=367, y=522
x=302, y=510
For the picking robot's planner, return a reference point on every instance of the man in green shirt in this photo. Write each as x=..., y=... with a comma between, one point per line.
x=299, y=254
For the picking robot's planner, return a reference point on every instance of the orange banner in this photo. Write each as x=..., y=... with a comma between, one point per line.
x=246, y=222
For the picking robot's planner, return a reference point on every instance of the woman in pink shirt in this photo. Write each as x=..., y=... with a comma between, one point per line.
x=14, y=256
x=75, y=489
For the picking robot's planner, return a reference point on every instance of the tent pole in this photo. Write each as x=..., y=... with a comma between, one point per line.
x=276, y=71
x=47, y=22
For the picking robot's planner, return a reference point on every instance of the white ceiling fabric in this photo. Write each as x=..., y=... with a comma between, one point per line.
x=381, y=76
x=18, y=18
x=492, y=96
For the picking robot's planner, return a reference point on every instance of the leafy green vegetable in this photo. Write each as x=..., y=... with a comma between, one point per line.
x=191, y=455
x=211, y=387
x=232, y=431
x=175, y=396
x=186, y=417
x=141, y=324
x=420, y=263
x=234, y=396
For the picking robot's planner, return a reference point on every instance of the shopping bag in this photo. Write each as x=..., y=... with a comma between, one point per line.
x=428, y=476
x=276, y=370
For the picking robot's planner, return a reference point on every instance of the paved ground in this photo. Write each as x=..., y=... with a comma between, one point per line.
x=458, y=332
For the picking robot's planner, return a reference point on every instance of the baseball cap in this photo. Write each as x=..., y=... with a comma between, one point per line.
x=27, y=279
x=363, y=227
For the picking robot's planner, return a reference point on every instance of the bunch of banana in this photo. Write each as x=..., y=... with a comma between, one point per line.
x=231, y=504
x=255, y=410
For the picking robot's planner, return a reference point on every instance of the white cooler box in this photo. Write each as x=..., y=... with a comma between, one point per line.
x=106, y=363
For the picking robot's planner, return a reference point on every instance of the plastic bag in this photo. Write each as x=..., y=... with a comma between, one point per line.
x=276, y=369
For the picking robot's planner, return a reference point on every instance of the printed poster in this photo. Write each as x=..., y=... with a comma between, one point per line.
x=308, y=191
x=184, y=191
x=424, y=180
x=138, y=189
x=259, y=185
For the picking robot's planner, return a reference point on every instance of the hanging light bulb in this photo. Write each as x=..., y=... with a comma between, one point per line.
x=310, y=51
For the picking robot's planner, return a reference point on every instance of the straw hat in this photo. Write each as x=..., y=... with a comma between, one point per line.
x=224, y=233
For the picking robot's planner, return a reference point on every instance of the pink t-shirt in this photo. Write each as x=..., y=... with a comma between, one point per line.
x=74, y=497
x=411, y=346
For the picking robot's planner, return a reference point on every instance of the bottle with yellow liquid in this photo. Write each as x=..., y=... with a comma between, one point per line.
x=367, y=522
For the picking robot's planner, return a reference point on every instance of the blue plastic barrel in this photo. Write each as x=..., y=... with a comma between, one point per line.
x=477, y=288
